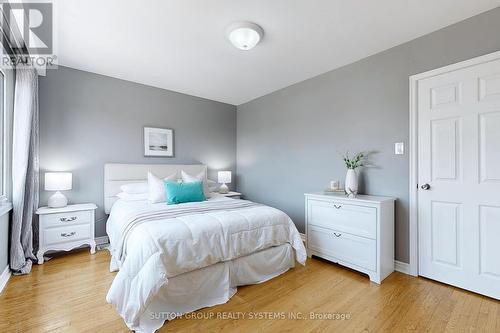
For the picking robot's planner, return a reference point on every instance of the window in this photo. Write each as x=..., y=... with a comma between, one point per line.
x=6, y=107
x=3, y=141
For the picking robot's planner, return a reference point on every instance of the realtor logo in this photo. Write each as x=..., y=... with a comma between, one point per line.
x=28, y=31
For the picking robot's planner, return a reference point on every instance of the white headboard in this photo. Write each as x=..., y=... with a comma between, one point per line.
x=116, y=175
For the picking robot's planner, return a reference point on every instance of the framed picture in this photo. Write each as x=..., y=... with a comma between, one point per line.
x=158, y=142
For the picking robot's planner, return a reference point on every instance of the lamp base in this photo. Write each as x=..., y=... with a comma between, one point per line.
x=57, y=200
x=223, y=189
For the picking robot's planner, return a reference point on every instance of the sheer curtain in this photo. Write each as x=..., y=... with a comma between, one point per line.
x=24, y=169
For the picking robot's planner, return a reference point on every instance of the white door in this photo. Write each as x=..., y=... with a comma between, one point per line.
x=459, y=178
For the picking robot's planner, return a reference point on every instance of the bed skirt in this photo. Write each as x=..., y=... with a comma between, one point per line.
x=213, y=285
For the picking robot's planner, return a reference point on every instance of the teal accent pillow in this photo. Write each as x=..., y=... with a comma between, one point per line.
x=180, y=192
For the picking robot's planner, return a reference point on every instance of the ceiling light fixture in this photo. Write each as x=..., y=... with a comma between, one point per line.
x=244, y=35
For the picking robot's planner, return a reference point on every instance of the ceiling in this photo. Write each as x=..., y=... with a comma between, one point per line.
x=181, y=45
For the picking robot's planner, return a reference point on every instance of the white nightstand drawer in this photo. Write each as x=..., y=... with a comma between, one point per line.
x=70, y=218
x=65, y=228
x=67, y=234
x=356, y=220
x=359, y=251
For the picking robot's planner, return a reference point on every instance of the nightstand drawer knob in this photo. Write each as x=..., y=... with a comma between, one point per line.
x=68, y=219
x=65, y=234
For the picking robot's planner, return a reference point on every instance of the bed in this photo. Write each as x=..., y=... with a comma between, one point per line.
x=175, y=259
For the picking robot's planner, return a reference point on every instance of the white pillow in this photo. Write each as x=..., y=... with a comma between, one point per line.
x=133, y=196
x=213, y=186
x=135, y=188
x=157, y=187
x=187, y=178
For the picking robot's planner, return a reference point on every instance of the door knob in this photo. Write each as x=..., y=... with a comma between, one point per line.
x=425, y=187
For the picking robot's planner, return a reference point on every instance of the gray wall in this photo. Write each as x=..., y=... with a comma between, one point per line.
x=87, y=120
x=287, y=141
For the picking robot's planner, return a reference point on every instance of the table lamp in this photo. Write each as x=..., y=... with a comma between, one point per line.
x=58, y=181
x=224, y=177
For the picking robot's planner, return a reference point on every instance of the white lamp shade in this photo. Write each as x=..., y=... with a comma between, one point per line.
x=224, y=177
x=58, y=181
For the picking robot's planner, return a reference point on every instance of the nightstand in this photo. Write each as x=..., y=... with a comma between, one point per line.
x=66, y=228
x=230, y=194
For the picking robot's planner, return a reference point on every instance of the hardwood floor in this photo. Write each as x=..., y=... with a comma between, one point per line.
x=67, y=294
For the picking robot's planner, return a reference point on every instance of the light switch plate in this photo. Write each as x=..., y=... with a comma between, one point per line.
x=399, y=148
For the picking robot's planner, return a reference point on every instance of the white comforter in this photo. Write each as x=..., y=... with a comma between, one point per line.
x=153, y=242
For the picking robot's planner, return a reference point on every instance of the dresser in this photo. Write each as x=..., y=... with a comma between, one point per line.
x=354, y=232
x=66, y=228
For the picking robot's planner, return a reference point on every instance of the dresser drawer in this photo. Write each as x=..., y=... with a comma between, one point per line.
x=61, y=219
x=68, y=233
x=352, y=249
x=353, y=219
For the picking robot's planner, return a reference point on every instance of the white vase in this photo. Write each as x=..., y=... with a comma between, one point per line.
x=351, y=182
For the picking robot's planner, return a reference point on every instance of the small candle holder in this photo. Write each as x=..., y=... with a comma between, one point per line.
x=334, y=185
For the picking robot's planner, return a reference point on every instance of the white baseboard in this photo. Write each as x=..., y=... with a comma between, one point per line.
x=303, y=236
x=4, y=278
x=104, y=240
x=401, y=267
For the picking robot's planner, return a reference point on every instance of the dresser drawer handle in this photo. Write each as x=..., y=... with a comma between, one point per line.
x=65, y=234
x=68, y=219
x=337, y=235
x=337, y=206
